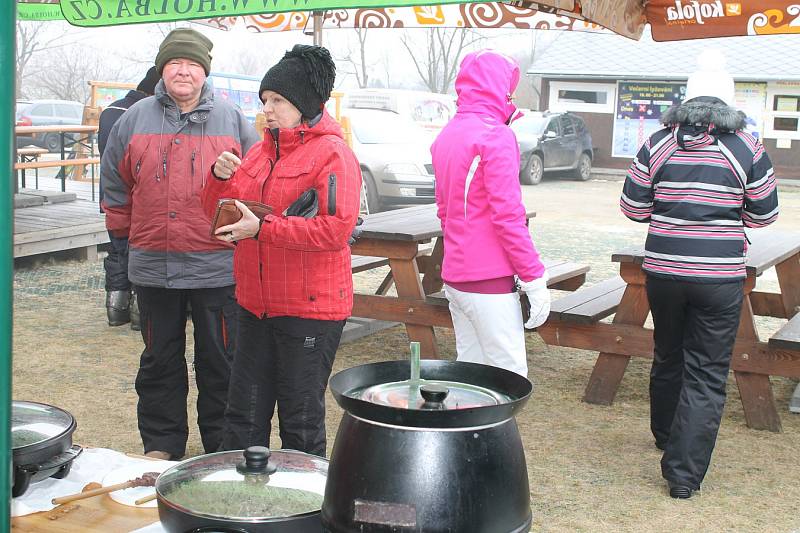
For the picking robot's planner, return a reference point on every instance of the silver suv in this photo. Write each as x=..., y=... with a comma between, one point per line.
x=46, y=113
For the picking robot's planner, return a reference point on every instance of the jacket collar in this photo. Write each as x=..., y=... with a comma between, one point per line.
x=198, y=115
x=286, y=141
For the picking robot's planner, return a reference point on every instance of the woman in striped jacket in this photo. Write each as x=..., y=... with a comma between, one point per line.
x=699, y=182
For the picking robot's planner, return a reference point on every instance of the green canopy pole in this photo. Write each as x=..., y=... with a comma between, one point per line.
x=8, y=16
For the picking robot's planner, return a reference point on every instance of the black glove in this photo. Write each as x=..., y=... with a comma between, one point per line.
x=356, y=233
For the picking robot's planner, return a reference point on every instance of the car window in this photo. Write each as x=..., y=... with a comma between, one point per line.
x=553, y=126
x=531, y=125
x=580, y=126
x=385, y=128
x=45, y=110
x=566, y=126
x=66, y=110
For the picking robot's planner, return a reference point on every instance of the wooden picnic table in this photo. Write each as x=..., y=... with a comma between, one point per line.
x=753, y=360
x=84, y=139
x=399, y=235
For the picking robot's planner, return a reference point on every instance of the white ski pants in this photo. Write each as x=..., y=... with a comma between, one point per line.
x=488, y=329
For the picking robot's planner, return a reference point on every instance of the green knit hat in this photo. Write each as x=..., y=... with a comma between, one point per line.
x=185, y=43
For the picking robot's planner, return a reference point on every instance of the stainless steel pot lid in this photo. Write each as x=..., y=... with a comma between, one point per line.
x=34, y=423
x=251, y=485
x=430, y=395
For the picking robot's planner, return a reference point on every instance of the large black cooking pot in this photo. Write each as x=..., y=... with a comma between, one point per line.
x=445, y=456
x=253, y=491
x=41, y=442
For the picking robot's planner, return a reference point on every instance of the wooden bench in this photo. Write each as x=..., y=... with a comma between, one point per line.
x=58, y=163
x=788, y=337
x=591, y=304
x=29, y=154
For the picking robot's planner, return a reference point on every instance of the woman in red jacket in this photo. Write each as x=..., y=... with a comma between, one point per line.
x=293, y=274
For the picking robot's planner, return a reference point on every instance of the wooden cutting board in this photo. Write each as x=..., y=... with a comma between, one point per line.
x=100, y=514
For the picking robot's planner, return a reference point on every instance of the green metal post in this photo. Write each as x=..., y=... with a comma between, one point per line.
x=8, y=17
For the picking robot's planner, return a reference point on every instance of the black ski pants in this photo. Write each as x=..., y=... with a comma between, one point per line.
x=283, y=361
x=162, y=382
x=695, y=328
x=116, y=265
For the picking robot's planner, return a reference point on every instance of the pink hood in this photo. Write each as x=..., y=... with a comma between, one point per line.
x=476, y=162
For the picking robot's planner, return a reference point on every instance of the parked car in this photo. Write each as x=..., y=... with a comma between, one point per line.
x=550, y=142
x=395, y=158
x=46, y=113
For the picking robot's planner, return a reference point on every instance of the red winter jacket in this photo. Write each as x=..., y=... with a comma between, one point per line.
x=297, y=267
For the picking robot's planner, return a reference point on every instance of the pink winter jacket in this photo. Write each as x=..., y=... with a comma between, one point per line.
x=476, y=163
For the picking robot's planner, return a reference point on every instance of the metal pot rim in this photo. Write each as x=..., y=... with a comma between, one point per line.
x=516, y=387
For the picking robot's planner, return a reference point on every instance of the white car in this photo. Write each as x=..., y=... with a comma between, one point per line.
x=395, y=158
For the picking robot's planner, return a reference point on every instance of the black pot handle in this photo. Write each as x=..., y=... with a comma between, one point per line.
x=215, y=529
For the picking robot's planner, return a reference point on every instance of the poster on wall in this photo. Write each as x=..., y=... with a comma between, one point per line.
x=752, y=99
x=638, y=112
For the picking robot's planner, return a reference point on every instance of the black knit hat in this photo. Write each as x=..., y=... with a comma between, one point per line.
x=304, y=76
x=185, y=43
x=148, y=83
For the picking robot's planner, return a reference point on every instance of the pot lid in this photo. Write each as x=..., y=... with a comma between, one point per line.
x=34, y=423
x=431, y=395
x=255, y=484
x=459, y=394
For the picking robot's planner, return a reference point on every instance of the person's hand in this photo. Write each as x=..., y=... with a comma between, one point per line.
x=356, y=233
x=245, y=228
x=538, y=299
x=225, y=165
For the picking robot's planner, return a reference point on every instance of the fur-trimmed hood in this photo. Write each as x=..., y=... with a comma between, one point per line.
x=705, y=110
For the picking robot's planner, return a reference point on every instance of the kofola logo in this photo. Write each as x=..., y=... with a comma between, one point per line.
x=694, y=11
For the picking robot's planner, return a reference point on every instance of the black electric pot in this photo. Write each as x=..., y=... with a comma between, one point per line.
x=253, y=491
x=440, y=455
x=41, y=443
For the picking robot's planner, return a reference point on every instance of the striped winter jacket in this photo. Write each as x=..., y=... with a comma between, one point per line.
x=153, y=168
x=699, y=182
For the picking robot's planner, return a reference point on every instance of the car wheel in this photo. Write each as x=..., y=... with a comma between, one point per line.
x=372, y=198
x=52, y=141
x=533, y=171
x=584, y=169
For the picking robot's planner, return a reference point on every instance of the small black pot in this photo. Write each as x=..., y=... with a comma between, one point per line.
x=47, y=451
x=428, y=468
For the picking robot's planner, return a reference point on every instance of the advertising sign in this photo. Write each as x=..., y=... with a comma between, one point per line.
x=638, y=112
x=752, y=99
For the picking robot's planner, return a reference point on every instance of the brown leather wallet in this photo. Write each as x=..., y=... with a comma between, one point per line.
x=227, y=212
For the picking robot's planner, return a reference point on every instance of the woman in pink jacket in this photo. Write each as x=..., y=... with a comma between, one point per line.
x=488, y=251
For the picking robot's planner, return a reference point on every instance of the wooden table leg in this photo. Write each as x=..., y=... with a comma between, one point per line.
x=408, y=284
x=432, y=279
x=789, y=282
x=610, y=367
x=755, y=390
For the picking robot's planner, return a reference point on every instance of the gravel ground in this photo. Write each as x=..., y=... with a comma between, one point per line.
x=591, y=468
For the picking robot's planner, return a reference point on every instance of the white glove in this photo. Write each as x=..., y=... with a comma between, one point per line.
x=539, y=300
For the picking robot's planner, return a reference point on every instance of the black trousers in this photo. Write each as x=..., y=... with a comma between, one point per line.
x=116, y=265
x=695, y=328
x=285, y=361
x=162, y=382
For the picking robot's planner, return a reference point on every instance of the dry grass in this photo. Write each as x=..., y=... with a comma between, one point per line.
x=591, y=468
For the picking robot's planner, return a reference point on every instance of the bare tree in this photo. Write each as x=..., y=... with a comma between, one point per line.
x=32, y=39
x=357, y=59
x=65, y=72
x=437, y=66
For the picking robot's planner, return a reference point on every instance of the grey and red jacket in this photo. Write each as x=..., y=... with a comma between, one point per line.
x=699, y=182
x=298, y=267
x=154, y=165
